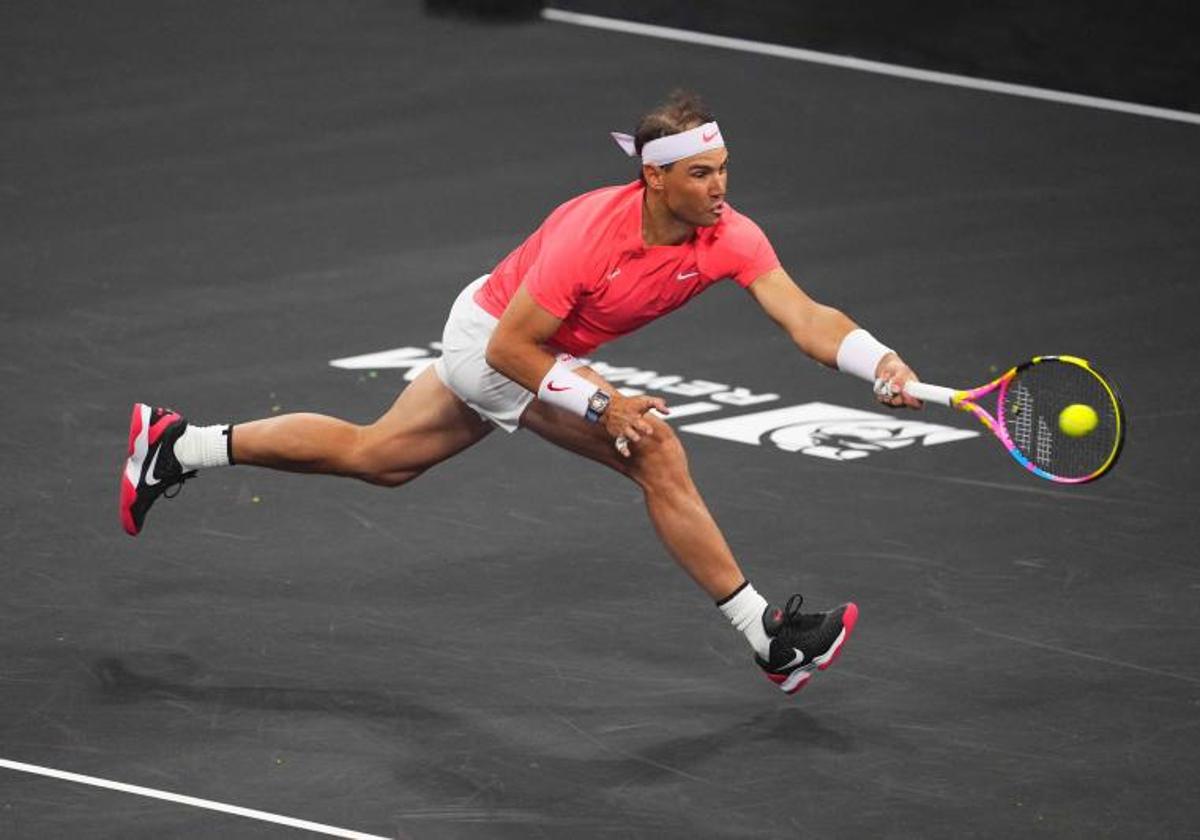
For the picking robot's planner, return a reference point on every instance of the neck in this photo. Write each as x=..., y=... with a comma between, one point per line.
x=659, y=224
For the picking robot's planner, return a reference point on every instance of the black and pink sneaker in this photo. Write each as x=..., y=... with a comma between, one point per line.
x=804, y=643
x=151, y=467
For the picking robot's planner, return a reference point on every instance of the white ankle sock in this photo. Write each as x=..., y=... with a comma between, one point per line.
x=203, y=446
x=744, y=609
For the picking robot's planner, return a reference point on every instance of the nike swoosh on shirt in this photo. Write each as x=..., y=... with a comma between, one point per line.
x=614, y=274
x=150, y=479
x=682, y=276
x=550, y=387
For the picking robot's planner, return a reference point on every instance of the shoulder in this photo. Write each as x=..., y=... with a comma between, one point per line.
x=739, y=229
x=739, y=249
x=738, y=236
x=593, y=221
x=600, y=202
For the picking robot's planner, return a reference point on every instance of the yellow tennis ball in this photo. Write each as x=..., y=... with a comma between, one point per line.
x=1078, y=420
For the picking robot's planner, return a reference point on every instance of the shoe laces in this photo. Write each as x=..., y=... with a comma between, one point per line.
x=792, y=614
x=177, y=484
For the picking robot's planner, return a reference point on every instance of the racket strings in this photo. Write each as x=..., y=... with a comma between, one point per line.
x=1021, y=429
x=1031, y=408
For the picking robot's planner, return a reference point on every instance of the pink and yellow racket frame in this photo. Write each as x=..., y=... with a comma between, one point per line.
x=965, y=400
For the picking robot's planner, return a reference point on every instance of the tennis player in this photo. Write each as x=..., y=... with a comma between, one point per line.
x=600, y=266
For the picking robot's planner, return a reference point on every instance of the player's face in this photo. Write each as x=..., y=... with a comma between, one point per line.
x=694, y=188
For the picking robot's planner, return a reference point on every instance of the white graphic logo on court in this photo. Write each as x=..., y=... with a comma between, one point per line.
x=817, y=429
x=828, y=431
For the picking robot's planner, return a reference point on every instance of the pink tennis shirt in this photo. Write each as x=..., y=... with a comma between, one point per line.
x=587, y=265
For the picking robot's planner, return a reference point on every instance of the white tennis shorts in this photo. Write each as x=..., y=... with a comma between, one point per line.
x=465, y=371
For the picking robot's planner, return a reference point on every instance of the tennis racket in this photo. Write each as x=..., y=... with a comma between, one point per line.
x=1056, y=415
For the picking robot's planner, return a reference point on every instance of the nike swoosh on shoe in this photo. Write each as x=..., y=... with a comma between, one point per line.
x=149, y=477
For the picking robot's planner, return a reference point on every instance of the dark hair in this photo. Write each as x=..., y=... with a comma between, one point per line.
x=682, y=110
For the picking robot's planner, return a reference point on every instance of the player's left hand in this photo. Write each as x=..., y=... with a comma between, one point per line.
x=625, y=419
x=890, y=377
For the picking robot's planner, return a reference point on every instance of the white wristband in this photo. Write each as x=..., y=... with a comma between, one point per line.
x=860, y=354
x=566, y=389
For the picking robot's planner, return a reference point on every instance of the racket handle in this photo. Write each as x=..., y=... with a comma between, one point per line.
x=930, y=393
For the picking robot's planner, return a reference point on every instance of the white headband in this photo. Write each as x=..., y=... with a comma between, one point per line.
x=673, y=147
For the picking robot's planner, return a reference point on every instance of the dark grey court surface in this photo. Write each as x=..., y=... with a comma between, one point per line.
x=204, y=204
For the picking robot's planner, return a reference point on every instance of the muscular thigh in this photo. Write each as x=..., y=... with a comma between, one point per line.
x=426, y=424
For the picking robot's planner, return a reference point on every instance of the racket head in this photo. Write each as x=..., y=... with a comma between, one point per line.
x=1030, y=400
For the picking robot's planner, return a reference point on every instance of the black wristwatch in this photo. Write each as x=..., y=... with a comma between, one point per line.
x=597, y=405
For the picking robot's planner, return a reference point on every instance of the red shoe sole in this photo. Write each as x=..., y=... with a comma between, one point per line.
x=780, y=679
x=133, y=465
x=849, y=619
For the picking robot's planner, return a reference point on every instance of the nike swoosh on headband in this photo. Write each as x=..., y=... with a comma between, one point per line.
x=664, y=150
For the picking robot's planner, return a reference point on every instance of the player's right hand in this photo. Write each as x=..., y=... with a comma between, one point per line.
x=891, y=376
x=625, y=419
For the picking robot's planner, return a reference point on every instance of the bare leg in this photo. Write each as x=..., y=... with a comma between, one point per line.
x=659, y=466
x=425, y=425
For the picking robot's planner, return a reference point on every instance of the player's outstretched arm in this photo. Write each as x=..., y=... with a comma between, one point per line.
x=822, y=331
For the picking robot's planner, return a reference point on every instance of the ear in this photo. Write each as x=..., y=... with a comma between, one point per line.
x=653, y=175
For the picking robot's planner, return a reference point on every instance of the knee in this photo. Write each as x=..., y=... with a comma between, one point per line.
x=660, y=462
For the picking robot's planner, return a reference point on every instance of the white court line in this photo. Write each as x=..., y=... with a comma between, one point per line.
x=670, y=33
x=236, y=810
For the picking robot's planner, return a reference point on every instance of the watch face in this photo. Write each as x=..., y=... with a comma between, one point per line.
x=598, y=401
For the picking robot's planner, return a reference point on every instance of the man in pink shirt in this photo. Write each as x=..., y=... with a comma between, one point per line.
x=600, y=266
